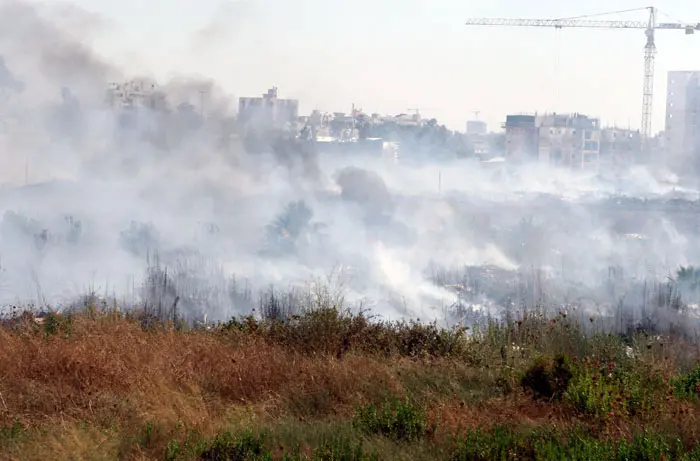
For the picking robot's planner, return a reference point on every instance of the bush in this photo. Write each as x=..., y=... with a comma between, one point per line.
x=502, y=443
x=687, y=386
x=249, y=447
x=600, y=389
x=548, y=380
x=10, y=434
x=340, y=449
x=55, y=324
x=400, y=420
x=226, y=447
x=335, y=331
x=506, y=443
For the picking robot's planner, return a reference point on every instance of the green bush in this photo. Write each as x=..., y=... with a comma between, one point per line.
x=333, y=330
x=546, y=379
x=687, y=386
x=400, y=420
x=250, y=447
x=600, y=389
x=11, y=434
x=226, y=447
x=506, y=444
x=501, y=443
x=57, y=323
x=339, y=449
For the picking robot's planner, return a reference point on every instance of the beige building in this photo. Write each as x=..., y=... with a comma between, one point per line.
x=522, y=137
x=267, y=111
x=620, y=146
x=557, y=139
x=135, y=94
x=477, y=131
x=682, y=131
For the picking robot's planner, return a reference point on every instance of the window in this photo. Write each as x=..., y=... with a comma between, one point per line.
x=591, y=145
x=588, y=134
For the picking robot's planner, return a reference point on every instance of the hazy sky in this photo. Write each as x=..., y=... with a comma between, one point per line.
x=390, y=55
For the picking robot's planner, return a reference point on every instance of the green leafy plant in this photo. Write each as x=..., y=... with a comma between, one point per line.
x=548, y=379
x=399, y=419
x=687, y=386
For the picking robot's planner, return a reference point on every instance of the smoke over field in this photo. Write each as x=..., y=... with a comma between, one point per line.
x=167, y=208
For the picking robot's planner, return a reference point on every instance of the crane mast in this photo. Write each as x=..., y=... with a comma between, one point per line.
x=648, y=96
x=649, y=27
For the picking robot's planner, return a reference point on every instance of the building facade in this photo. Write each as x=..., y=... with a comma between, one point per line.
x=476, y=128
x=557, y=139
x=477, y=131
x=522, y=139
x=267, y=111
x=620, y=146
x=136, y=94
x=682, y=131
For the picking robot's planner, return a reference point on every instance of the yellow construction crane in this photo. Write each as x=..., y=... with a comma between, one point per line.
x=650, y=26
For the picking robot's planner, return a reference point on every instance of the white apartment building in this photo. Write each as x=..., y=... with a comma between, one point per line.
x=682, y=132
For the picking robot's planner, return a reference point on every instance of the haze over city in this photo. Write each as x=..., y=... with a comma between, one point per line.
x=324, y=230
x=388, y=56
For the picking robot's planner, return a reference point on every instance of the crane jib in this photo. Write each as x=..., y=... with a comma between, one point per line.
x=559, y=23
x=585, y=22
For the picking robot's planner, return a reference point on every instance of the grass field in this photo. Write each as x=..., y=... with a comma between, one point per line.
x=330, y=385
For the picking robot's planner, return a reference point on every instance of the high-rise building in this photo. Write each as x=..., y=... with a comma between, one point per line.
x=267, y=111
x=683, y=117
x=136, y=94
x=477, y=131
x=476, y=127
x=521, y=136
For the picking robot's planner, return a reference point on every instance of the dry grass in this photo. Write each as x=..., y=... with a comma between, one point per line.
x=99, y=386
x=114, y=367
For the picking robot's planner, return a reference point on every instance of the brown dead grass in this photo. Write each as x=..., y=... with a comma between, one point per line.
x=92, y=391
x=521, y=409
x=113, y=370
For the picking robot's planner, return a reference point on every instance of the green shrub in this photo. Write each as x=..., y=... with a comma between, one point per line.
x=687, y=386
x=57, y=323
x=501, y=443
x=602, y=388
x=226, y=447
x=507, y=443
x=547, y=379
x=11, y=434
x=339, y=449
x=249, y=447
x=400, y=420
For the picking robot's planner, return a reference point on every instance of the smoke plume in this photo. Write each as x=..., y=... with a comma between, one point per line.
x=170, y=205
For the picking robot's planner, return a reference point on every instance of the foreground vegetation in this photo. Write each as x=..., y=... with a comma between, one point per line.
x=330, y=385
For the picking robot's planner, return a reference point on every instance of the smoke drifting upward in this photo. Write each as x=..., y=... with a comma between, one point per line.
x=169, y=203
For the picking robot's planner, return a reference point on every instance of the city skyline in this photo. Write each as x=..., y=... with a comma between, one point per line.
x=388, y=58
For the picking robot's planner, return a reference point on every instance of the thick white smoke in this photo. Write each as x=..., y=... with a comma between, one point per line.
x=91, y=201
